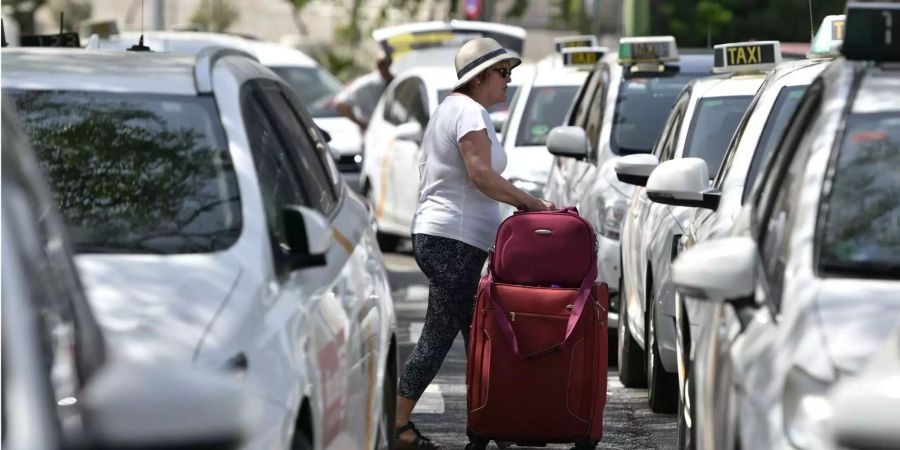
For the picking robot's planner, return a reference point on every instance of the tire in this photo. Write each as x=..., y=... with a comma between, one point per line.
x=585, y=444
x=686, y=437
x=662, y=386
x=476, y=442
x=632, y=372
x=301, y=441
x=387, y=425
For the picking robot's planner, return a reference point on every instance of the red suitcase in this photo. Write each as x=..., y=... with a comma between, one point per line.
x=537, y=361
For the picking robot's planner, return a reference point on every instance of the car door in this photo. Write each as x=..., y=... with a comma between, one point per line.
x=409, y=106
x=583, y=174
x=302, y=307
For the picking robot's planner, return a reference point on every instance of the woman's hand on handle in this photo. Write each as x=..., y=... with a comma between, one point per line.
x=539, y=204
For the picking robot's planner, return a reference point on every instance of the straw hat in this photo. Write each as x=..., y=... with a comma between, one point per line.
x=476, y=55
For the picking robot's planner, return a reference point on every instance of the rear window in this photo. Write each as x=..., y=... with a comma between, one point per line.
x=782, y=110
x=315, y=87
x=642, y=106
x=712, y=127
x=136, y=173
x=546, y=108
x=861, y=233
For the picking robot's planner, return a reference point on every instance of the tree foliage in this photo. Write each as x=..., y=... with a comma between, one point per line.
x=23, y=11
x=215, y=15
x=74, y=12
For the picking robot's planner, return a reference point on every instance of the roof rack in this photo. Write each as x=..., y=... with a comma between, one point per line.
x=585, y=40
x=582, y=57
x=738, y=57
x=872, y=32
x=205, y=61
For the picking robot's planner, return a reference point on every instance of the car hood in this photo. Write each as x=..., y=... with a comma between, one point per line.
x=345, y=136
x=529, y=164
x=856, y=317
x=156, y=308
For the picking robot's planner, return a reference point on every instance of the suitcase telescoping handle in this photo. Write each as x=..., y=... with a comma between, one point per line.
x=506, y=327
x=567, y=209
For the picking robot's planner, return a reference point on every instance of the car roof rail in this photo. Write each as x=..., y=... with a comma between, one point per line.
x=205, y=61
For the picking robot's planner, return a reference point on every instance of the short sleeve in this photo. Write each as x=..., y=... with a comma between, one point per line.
x=471, y=119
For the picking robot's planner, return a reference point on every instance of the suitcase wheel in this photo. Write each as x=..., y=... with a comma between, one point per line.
x=585, y=444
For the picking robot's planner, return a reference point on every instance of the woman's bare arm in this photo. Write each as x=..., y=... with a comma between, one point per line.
x=475, y=147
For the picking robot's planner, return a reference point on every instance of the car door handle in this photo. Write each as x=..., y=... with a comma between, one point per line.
x=237, y=363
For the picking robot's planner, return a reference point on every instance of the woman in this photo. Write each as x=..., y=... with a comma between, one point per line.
x=457, y=215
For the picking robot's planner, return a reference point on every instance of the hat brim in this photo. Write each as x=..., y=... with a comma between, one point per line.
x=485, y=65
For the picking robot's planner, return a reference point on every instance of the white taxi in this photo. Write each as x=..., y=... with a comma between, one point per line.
x=699, y=127
x=314, y=85
x=541, y=104
x=807, y=286
x=212, y=229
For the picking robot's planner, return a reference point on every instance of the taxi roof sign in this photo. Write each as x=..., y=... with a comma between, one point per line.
x=829, y=37
x=587, y=40
x=647, y=49
x=872, y=32
x=582, y=56
x=746, y=56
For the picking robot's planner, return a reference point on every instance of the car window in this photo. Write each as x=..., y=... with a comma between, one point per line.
x=396, y=110
x=546, y=108
x=782, y=110
x=861, y=232
x=712, y=126
x=136, y=173
x=315, y=87
x=668, y=139
x=415, y=101
x=586, y=99
x=642, y=106
x=595, y=115
x=303, y=152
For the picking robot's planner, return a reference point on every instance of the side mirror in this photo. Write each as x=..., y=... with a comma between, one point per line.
x=718, y=270
x=308, y=235
x=410, y=131
x=682, y=182
x=568, y=141
x=129, y=406
x=636, y=169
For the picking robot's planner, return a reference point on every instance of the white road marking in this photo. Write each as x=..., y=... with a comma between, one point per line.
x=417, y=293
x=431, y=402
x=415, y=331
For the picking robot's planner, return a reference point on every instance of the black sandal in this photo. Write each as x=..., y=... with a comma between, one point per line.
x=420, y=442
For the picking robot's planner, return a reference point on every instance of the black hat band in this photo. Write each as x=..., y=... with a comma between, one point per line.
x=478, y=61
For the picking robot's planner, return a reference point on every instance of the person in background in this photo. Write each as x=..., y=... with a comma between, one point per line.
x=357, y=101
x=457, y=215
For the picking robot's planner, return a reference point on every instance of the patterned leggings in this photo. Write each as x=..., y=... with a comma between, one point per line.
x=453, y=269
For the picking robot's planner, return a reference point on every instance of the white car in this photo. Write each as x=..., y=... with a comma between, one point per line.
x=807, y=287
x=700, y=125
x=213, y=229
x=390, y=175
x=541, y=103
x=61, y=389
x=314, y=85
x=620, y=110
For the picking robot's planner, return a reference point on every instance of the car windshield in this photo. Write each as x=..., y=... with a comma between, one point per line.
x=136, y=173
x=315, y=87
x=642, y=106
x=499, y=107
x=714, y=122
x=861, y=234
x=782, y=110
x=546, y=108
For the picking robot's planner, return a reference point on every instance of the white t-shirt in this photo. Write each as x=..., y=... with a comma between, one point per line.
x=450, y=205
x=362, y=94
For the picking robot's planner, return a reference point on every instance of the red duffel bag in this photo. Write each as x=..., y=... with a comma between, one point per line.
x=537, y=361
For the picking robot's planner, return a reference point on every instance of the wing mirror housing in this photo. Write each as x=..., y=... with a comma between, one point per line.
x=131, y=406
x=568, y=141
x=410, y=131
x=636, y=169
x=683, y=182
x=718, y=270
x=309, y=237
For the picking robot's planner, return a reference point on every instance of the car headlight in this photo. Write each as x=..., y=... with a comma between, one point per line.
x=533, y=189
x=806, y=410
x=612, y=213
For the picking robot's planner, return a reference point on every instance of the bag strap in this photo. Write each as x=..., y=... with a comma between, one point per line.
x=506, y=327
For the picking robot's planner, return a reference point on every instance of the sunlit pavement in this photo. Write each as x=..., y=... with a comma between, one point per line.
x=440, y=414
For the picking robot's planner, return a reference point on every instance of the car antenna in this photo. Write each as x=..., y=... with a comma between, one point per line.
x=3, y=34
x=140, y=47
x=812, y=32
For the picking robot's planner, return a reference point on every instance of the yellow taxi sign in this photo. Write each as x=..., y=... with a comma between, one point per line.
x=829, y=37
x=564, y=42
x=746, y=56
x=647, y=49
x=582, y=56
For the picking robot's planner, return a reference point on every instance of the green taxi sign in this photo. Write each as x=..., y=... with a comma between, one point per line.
x=565, y=42
x=828, y=38
x=582, y=56
x=746, y=56
x=872, y=32
x=647, y=49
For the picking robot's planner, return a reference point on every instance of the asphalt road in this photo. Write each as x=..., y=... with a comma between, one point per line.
x=441, y=413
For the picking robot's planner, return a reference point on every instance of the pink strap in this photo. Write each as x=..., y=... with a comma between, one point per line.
x=506, y=327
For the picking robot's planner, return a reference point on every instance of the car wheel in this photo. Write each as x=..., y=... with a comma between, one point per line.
x=631, y=356
x=301, y=441
x=388, y=408
x=686, y=402
x=662, y=386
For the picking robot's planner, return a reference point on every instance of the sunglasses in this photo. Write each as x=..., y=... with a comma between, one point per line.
x=504, y=72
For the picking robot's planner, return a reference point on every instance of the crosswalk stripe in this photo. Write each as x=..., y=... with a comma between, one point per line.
x=415, y=331
x=431, y=402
